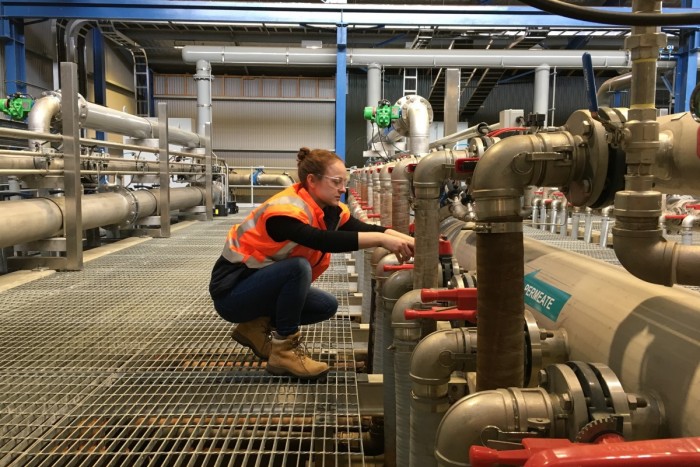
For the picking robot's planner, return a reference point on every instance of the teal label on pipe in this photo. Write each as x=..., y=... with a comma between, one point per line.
x=543, y=297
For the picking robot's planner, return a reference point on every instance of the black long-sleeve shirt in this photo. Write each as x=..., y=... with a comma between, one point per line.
x=225, y=274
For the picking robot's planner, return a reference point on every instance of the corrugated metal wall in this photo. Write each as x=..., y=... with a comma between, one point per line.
x=259, y=120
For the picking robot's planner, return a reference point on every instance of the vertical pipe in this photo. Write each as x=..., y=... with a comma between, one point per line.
x=374, y=91
x=541, y=101
x=452, y=92
x=500, y=269
x=73, y=223
x=164, y=168
x=203, y=79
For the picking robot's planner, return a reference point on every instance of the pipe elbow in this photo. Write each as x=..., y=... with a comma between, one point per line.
x=439, y=354
x=403, y=328
x=400, y=174
x=464, y=422
x=430, y=173
x=496, y=173
x=42, y=114
x=646, y=255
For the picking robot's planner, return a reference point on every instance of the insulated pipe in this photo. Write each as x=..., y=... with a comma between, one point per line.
x=430, y=173
x=374, y=92
x=377, y=323
x=29, y=220
x=400, y=200
x=498, y=183
x=649, y=335
x=433, y=361
x=452, y=58
x=387, y=196
x=541, y=96
x=395, y=286
x=407, y=334
x=615, y=83
x=203, y=79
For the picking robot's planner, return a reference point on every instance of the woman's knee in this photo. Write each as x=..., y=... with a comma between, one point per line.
x=299, y=266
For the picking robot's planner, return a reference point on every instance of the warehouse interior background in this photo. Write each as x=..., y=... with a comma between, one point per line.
x=544, y=154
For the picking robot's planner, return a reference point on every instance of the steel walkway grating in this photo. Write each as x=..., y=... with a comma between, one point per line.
x=127, y=363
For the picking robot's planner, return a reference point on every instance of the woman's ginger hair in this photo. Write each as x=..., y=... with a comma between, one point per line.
x=315, y=162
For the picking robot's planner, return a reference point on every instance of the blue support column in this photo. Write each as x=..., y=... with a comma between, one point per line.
x=686, y=65
x=15, y=56
x=341, y=86
x=99, y=75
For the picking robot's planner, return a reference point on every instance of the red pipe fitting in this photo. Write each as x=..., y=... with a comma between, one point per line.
x=374, y=216
x=441, y=314
x=675, y=216
x=397, y=267
x=466, y=165
x=444, y=247
x=465, y=297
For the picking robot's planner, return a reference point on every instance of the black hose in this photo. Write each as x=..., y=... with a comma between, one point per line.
x=596, y=15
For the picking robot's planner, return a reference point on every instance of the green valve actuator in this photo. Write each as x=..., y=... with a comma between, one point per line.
x=383, y=114
x=17, y=106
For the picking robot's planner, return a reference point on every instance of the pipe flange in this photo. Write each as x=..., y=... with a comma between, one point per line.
x=591, y=137
x=561, y=383
x=133, y=215
x=533, y=353
x=616, y=394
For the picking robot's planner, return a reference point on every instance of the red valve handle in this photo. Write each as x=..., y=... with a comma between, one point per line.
x=465, y=297
x=440, y=314
x=398, y=267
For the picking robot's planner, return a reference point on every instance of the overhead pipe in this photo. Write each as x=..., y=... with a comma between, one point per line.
x=261, y=179
x=613, y=84
x=34, y=219
x=499, y=180
x=429, y=58
x=98, y=117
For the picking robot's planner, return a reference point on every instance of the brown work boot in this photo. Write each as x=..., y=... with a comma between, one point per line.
x=256, y=335
x=290, y=358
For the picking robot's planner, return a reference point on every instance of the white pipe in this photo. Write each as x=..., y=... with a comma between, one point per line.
x=541, y=100
x=429, y=58
x=687, y=228
x=374, y=91
x=203, y=79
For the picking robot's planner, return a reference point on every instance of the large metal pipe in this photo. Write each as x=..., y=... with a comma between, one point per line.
x=433, y=361
x=395, y=286
x=639, y=330
x=444, y=58
x=430, y=173
x=39, y=218
x=497, y=185
x=94, y=163
x=203, y=79
x=541, y=95
x=102, y=118
x=374, y=91
x=401, y=197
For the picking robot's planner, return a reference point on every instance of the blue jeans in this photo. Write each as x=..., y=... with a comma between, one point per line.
x=281, y=291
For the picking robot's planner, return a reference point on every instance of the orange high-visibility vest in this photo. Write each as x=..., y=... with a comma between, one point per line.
x=249, y=242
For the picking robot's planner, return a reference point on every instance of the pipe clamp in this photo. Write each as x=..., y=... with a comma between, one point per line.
x=498, y=227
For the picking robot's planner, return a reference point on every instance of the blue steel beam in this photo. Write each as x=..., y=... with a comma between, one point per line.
x=330, y=14
x=12, y=33
x=341, y=87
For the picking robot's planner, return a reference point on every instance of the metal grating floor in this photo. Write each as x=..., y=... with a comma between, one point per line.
x=127, y=363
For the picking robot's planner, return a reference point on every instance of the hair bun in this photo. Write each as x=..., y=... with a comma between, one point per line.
x=303, y=152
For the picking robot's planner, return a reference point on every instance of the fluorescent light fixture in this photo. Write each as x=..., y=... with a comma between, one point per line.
x=312, y=44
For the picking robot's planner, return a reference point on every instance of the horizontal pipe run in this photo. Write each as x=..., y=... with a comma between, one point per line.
x=299, y=56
